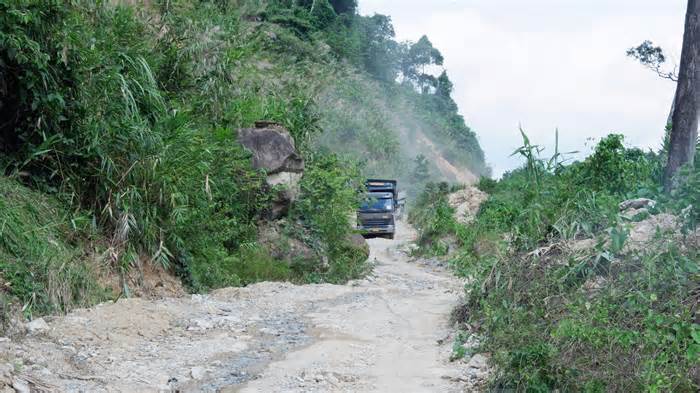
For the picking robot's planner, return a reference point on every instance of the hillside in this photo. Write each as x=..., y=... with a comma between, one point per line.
x=122, y=121
x=582, y=276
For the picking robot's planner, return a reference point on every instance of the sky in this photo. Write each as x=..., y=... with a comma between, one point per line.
x=547, y=65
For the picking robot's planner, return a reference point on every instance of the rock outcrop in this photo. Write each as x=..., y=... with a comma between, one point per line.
x=466, y=203
x=636, y=209
x=274, y=152
x=360, y=244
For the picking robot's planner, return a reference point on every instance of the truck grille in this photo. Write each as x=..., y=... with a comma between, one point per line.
x=376, y=223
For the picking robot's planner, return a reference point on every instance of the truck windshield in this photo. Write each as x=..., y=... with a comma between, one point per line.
x=384, y=204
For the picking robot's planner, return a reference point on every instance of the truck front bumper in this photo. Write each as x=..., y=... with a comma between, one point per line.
x=378, y=230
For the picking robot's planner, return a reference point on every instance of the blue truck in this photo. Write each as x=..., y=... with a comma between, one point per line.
x=376, y=216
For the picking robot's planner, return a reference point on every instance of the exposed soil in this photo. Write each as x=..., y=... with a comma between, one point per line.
x=389, y=332
x=466, y=203
x=460, y=175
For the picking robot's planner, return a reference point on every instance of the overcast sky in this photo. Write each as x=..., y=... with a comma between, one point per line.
x=548, y=64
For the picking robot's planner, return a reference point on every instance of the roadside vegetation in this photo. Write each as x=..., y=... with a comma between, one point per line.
x=564, y=291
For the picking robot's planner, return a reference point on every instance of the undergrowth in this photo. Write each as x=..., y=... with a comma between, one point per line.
x=42, y=258
x=434, y=219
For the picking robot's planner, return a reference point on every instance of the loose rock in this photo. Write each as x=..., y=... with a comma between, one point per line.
x=466, y=203
x=198, y=373
x=638, y=203
x=274, y=151
x=37, y=326
x=21, y=386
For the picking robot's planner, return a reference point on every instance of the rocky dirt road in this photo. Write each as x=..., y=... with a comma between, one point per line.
x=389, y=332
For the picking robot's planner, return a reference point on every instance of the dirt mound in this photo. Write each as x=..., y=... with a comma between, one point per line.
x=153, y=282
x=466, y=203
x=643, y=232
x=147, y=280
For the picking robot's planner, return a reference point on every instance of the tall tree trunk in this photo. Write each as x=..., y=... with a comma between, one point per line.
x=684, y=128
x=669, y=120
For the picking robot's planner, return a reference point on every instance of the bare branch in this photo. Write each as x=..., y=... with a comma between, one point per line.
x=653, y=58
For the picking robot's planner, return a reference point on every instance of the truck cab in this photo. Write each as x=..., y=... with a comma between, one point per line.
x=376, y=216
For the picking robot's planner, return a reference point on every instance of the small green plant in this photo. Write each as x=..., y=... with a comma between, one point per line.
x=459, y=351
x=618, y=237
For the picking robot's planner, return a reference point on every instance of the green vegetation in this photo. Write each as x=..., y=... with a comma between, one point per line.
x=118, y=146
x=434, y=219
x=379, y=124
x=559, y=312
x=42, y=258
x=329, y=193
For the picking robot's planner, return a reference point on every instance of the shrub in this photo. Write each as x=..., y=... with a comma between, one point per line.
x=616, y=169
x=329, y=199
x=433, y=217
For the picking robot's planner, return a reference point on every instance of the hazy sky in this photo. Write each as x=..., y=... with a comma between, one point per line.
x=548, y=64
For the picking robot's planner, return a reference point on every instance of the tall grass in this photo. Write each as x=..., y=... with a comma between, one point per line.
x=41, y=255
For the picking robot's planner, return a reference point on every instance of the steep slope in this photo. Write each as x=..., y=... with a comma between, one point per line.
x=387, y=128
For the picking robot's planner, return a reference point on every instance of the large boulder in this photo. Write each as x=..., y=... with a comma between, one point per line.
x=274, y=152
x=358, y=242
x=272, y=147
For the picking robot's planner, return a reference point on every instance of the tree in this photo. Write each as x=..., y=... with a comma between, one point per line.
x=322, y=13
x=419, y=56
x=421, y=173
x=444, y=86
x=344, y=6
x=653, y=58
x=684, y=125
x=380, y=52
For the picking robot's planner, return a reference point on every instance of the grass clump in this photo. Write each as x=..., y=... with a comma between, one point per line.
x=42, y=260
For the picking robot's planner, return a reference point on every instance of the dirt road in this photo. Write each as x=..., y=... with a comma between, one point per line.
x=379, y=334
